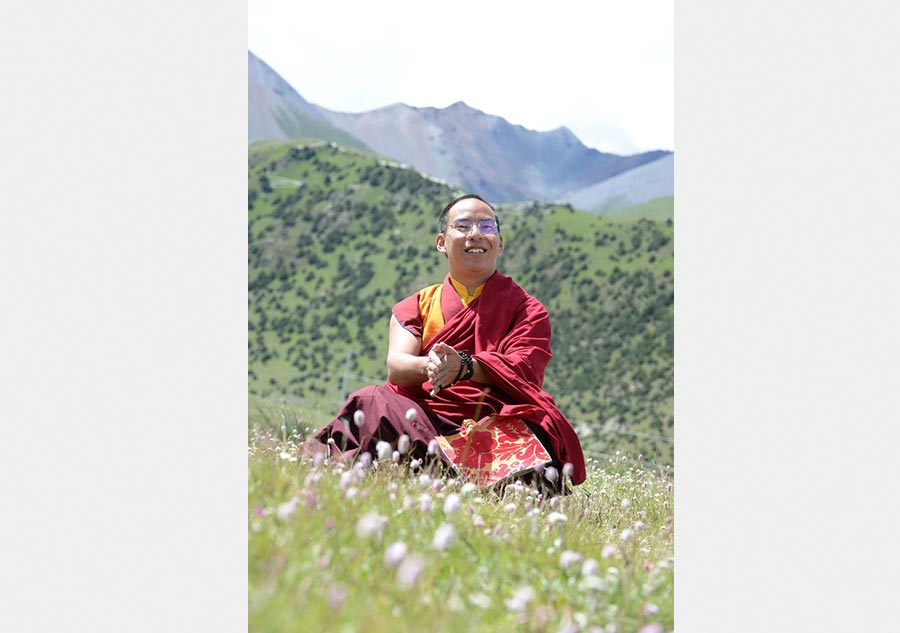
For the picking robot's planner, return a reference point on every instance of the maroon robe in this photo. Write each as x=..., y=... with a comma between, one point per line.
x=508, y=331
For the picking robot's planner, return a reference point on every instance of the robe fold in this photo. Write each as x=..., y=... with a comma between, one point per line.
x=508, y=332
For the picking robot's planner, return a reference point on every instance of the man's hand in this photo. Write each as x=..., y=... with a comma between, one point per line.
x=444, y=365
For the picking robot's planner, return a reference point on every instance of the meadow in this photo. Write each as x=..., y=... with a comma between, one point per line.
x=395, y=545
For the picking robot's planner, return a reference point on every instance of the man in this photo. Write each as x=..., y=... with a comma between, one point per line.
x=472, y=346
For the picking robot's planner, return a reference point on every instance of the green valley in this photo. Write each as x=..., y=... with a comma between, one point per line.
x=338, y=235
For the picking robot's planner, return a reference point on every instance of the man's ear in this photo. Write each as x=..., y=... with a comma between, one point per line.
x=439, y=243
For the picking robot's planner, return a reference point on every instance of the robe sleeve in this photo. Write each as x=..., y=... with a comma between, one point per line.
x=407, y=313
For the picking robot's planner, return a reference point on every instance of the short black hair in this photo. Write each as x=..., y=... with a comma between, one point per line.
x=442, y=219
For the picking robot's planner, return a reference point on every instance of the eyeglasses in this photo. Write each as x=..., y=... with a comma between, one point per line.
x=487, y=226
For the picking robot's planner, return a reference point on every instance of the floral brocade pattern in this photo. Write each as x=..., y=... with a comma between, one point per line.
x=493, y=449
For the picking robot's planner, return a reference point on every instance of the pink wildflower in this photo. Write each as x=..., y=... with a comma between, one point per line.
x=336, y=596
x=568, y=558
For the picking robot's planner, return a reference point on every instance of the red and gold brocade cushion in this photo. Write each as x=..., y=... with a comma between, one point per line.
x=493, y=449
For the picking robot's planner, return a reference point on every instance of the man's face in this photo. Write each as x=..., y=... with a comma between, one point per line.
x=472, y=252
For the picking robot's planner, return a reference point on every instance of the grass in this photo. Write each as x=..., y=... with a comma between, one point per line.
x=320, y=531
x=660, y=209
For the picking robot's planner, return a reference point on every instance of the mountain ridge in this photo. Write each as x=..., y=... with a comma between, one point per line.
x=478, y=151
x=277, y=111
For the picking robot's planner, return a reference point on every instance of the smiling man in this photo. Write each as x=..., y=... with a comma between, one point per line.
x=475, y=345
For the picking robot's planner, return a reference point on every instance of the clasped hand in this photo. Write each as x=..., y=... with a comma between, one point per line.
x=442, y=367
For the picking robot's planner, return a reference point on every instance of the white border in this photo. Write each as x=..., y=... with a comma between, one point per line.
x=123, y=350
x=786, y=316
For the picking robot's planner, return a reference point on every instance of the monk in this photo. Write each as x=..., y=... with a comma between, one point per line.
x=472, y=346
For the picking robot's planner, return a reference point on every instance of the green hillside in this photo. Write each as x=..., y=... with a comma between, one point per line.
x=658, y=209
x=296, y=124
x=337, y=236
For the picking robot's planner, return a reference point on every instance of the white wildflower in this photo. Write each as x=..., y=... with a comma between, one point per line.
x=556, y=517
x=403, y=442
x=287, y=509
x=551, y=473
x=568, y=469
x=509, y=507
x=520, y=599
x=425, y=503
x=626, y=534
x=359, y=418
x=444, y=537
x=383, y=450
x=480, y=600
x=410, y=569
x=593, y=582
x=589, y=567
x=394, y=554
x=433, y=447
x=467, y=488
x=371, y=524
x=411, y=415
x=451, y=503
x=626, y=503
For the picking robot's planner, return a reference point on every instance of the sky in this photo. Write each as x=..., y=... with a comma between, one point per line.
x=603, y=69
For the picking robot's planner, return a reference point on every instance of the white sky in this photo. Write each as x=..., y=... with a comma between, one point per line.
x=603, y=69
